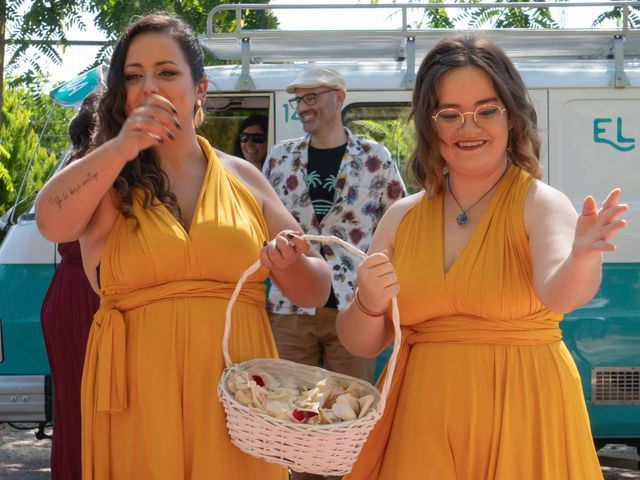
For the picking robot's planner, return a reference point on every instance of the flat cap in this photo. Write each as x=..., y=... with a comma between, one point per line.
x=318, y=77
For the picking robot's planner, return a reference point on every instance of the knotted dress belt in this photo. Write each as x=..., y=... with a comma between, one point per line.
x=533, y=330
x=537, y=329
x=104, y=377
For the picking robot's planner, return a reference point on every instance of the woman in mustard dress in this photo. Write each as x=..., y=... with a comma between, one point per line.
x=483, y=261
x=167, y=225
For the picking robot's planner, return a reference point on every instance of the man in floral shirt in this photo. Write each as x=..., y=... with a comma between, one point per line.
x=333, y=183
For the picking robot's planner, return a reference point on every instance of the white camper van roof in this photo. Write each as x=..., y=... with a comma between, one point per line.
x=593, y=57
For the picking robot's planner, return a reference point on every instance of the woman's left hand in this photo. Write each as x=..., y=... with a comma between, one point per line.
x=595, y=227
x=284, y=250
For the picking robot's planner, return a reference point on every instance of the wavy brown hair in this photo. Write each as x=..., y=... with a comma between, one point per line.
x=82, y=126
x=143, y=171
x=426, y=163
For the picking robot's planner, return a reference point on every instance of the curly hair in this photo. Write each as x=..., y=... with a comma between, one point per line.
x=143, y=171
x=426, y=163
x=82, y=126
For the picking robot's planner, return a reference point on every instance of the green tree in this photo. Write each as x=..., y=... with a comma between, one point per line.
x=24, y=116
x=616, y=14
x=112, y=16
x=534, y=17
x=42, y=20
x=36, y=28
x=437, y=17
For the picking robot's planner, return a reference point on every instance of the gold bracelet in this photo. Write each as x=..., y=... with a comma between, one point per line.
x=364, y=309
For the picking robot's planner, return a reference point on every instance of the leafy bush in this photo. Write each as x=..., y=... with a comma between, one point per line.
x=24, y=116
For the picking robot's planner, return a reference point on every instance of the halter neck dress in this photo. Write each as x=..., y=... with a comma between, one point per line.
x=484, y=389
x=154, y=357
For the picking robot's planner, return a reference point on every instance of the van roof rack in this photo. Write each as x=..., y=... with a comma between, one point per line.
x=401, y=43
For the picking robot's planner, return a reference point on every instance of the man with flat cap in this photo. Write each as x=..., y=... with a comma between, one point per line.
x=333, y=183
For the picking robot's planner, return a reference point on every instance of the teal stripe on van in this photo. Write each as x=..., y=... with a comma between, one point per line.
x=606, y=333
x=22, y=289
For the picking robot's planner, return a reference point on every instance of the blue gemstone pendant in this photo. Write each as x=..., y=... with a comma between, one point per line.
x=461, y=219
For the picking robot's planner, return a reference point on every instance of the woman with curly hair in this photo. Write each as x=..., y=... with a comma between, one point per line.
x=66, y=315
x=167, y=225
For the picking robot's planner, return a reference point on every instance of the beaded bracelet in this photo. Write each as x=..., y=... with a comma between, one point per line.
x=364, y=309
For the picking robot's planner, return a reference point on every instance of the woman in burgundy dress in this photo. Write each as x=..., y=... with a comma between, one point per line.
x=66, y=315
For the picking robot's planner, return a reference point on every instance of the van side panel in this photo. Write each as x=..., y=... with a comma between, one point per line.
x=22, y=289
x=594, y=141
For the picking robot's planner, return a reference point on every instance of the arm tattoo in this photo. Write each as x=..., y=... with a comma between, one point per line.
x=59, y=198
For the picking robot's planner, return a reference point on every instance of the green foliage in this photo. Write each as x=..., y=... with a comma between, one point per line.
x=112, y=16
x=533, y=17
x=616, y=14
x=389, y=126
x=24, y=117
x=42, y=20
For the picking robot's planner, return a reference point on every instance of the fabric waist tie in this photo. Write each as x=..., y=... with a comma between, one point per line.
x=104, y=375
x=534, y=330
x=478, y=331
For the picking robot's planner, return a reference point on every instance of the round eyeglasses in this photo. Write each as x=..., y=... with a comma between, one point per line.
x=452, y=118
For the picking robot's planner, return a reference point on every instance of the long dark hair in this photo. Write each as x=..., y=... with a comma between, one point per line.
x=82, y=126
x=144, y=171
x=426, y=163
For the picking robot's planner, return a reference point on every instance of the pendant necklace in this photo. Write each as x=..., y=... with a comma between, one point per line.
x=462, y=218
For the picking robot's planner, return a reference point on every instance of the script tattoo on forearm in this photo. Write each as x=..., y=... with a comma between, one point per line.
x=59, y=198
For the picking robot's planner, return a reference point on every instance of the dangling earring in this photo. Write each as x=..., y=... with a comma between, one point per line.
x=509, y=142
x=198, y=117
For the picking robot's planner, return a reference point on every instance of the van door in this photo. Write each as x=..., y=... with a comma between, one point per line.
x=594, y=140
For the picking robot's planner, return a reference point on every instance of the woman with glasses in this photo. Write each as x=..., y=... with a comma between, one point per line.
x=251, y=142
x=484, y=261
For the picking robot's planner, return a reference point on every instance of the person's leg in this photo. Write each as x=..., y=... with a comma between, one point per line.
x=335, y=357
x=296, y=339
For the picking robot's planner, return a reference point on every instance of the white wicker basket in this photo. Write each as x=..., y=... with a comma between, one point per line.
x=320, y=449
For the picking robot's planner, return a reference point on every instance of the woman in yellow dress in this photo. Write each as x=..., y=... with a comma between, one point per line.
x=484, y=262
x=167, y=225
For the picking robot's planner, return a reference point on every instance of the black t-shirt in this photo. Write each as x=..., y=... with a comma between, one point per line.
x=322, y=169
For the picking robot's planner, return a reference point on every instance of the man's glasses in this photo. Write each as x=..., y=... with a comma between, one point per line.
x=254, y=137
x=452, y=118
x=308, y=99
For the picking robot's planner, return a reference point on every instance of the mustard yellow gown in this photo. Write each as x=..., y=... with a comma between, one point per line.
x=485, y=389
x=154, y=358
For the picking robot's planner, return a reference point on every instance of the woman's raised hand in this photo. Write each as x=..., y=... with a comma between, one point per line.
x=281, y=252
x=148, y=125
x=596, y=227
x=377, y=282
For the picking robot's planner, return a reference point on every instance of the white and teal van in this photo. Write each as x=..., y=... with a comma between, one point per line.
x=586, y=88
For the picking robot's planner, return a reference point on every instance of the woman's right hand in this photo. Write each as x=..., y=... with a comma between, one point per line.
x=377, y=282
x=148, y=125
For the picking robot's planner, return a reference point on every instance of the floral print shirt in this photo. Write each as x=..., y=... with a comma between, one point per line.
x=366, y=185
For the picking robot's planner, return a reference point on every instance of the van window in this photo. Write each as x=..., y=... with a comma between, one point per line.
x=223, y=114
x=388, y=124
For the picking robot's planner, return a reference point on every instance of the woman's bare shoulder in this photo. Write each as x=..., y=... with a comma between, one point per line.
x=246, y=173
x=399, y=209
x=386, y=230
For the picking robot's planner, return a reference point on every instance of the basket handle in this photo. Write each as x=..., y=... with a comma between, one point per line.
x=394, y=311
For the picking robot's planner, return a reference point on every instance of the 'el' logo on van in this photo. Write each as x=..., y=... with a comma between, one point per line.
x=622, y=143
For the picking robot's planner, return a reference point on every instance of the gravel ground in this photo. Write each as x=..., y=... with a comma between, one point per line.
x=22, y=457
